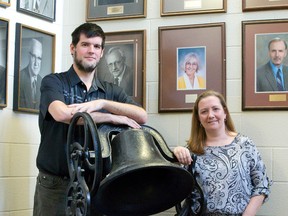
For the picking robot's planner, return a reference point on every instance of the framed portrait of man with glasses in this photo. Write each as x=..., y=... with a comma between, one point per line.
x=32, y=63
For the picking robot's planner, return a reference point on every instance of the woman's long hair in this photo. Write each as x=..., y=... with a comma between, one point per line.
x=198, y=135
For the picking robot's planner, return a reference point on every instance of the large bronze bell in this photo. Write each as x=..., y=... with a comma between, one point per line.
x=119, y=171
x=141, y=181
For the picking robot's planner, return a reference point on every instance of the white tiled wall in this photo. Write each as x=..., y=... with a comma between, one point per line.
x=19, y=134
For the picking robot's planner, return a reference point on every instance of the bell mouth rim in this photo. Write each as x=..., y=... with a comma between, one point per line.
x=175, y=185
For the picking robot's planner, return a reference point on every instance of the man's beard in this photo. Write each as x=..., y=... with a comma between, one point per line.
x=84, y=67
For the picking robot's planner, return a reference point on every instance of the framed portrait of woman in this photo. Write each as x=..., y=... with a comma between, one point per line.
x=189, y=67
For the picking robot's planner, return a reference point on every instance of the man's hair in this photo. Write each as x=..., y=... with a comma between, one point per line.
x=89, y=30
x=34, y=42
x=116, y=49
x=277, y=39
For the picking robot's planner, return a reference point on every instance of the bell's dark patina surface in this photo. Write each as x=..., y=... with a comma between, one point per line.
x=118, y=171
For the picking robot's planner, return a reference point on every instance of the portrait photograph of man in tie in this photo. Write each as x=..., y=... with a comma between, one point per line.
x=117, y=66
x=123, y=63
x=30, y=79
x=36, y=53
x=272, y=69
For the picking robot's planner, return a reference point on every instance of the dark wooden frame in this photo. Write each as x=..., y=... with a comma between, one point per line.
x=134, y=43
x=4, y=31
x=251, y=51
x=24, y=34
x=4, y=3
x=173, y=37
x=258, y=5
x=111, y=11
x=51, y=17
x=183, y=7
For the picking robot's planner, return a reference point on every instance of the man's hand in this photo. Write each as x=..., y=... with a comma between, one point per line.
x=117, y=120
x=134, y=112
x=88, y=107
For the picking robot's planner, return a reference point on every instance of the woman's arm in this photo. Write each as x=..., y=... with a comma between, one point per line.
x=254, y=205
x=183, y=155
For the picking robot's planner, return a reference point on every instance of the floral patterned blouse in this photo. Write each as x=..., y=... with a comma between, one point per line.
x=230, y=175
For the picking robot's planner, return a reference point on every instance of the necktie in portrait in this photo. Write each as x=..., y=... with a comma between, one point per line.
x=116, y=81
x=34, y=89
x=279, y=81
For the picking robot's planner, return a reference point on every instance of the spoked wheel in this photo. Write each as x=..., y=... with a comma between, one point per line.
x=78, y=200
x=84, y=164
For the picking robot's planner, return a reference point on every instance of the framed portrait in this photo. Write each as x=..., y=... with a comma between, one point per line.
x=44, y=9
x=4, y=3
x=115, y=9
x=185, y=7
x=4, y=26
x=34, y=59
x=264, y=52
x=257, y=5
x=123, y=62
x=189, y=65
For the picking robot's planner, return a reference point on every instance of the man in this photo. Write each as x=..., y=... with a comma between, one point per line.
x=30, y=80
x=2, y=84
x=273, y=76
x=121, y=74
x=63, y=95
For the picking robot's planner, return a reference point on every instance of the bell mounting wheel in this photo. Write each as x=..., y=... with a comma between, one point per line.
x=84, y=163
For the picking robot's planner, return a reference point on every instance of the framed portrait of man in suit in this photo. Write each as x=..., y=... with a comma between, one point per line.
x=44, y=9
x=265, y=65
x=34, y=59
x=123, y=62
x=3, y=61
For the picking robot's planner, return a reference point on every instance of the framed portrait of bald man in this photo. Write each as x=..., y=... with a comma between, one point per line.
x=44, y=9
x=3, y=61
x=34, y=59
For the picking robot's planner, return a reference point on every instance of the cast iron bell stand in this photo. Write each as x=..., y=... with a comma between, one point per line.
x=90, y=164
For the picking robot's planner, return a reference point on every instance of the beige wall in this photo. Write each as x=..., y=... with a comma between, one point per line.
x=19, y=134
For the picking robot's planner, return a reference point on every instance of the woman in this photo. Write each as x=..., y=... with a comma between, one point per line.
x=190, y=79
x=231, y=172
